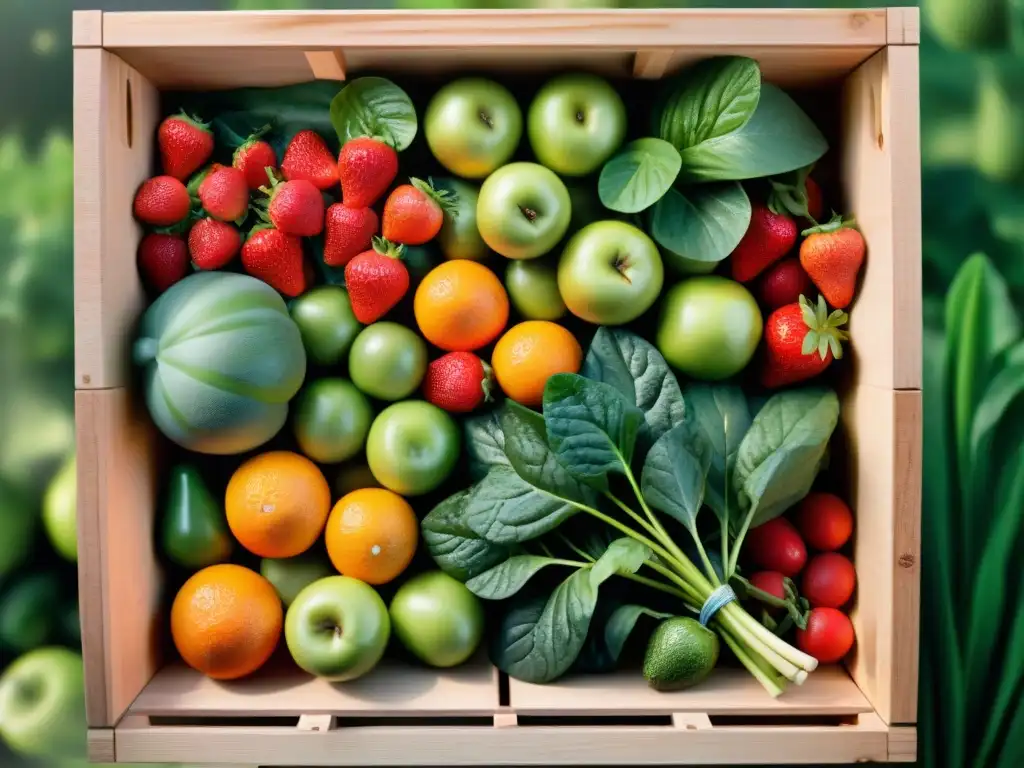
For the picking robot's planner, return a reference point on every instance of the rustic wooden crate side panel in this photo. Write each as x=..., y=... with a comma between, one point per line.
x=881, y=173
x=115, y=116
x=119, y=576
x=883, y=429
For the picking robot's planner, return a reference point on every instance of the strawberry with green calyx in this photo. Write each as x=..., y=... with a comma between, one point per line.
x=348, y=232
x=162, y=260
x=223, y=193
x=414, y=212
x=308, y=157
x=458, y=382
x=366, y=168
x=213, y=244
x=295, y=207
x=254, y=157
x=376, y=280
x=186, y=143
x=162, y=201
x=770, y=235
x=801, y=341
x=276, y=258
x=832, y=255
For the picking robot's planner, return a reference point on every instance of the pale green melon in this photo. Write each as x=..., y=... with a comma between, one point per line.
x=222, y=358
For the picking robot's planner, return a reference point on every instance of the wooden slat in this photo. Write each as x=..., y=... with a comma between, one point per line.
x=883, y=429
x=904, y=26
x=827, y=691
x=99, y=745
x=882, y=182
x=87, y=29
x=118, y=575
x=326, y=65
x=652, y=63
x=113, y=155
x=618, y=29
x=902, y=744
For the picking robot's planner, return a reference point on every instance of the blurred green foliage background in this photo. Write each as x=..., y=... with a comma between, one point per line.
x=972, y=110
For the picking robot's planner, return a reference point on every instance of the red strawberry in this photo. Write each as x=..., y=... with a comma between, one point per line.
x=458, y=382
x=185, y=144
x=213, y=243
x=276, y=259
x=163, y=260
x=224, y=193
x=768, y=238
x=414, y=213
x=832, y=254
x=376, y=281
x=783, y=283
x=296, y=207
x=366, y=168
x=350, y=231
x=307, y=157
x=162, y=201
x=253, y=158
x=801, y=341
x=815, y=201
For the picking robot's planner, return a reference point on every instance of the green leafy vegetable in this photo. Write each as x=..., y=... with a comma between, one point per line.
x=507, y=578
x=638, y=175
x=621, y=624
x=452, y=544
x=701, y=223
x=675, y=473
x=374, y=106
x=623, y=556
x=485, y=442
x=506, y=509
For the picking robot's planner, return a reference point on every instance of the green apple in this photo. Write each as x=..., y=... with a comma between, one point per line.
x=337, y=628
x=17, y=528
x=610, y=273
x=326, y=322
x=59, y=510
x=575, y=123
x=709, y=327
x=290, y=575
x=459, y=237
x=473, y=126
x=533, y=289
x=437, y=619
x=42, y=704
x=331, y=420
x=413, y=447
x=523, y=210
x=387, y=361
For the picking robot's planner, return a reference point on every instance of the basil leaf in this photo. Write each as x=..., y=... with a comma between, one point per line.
x=637, y=369
x=485, y=442
x=781, y=454
x=374, y=106
x=703, y=223
x=675, y=473
x=778, y=138
x=622, y=556
x=638, y=175
x=592, y=428
x=505, y=509
x=711, y=99
x=452, y=544
x=507, y=578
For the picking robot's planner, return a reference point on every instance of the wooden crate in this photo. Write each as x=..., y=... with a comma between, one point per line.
x=143, y=707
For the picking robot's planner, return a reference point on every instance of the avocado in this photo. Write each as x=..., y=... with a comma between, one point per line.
x=680, y=654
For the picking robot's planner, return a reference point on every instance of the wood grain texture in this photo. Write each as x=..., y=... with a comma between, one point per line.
x=651, y=64
x=87, y=29
x=903, y=26
x=99, y=745
x=902, y=744
x=115, y=116
x=883, y=430
x=326, y=65
x=827, y=691
x=119, y=579
x=880, y=167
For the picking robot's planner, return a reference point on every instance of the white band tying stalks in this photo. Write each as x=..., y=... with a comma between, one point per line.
x=716, y=601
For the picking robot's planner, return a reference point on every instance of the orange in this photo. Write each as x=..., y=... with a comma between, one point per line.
x=461, y=306
x=277, y=504
x=226, y=621
x=372, y=535
x=528, y=354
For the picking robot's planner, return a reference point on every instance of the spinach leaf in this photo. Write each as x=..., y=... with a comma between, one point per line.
x=782, y=452
x=702, y=223
x=592, y=428
x=637, y=369
x=622, y=556
x=610, y=628
x=675, y=473
x=455, y=548
x=505, y=509
x=485, y=442
x=621, y=624
x=374, y=106
x=507, y=578
x=778, y=138
x=711, y=99
x=638, y=175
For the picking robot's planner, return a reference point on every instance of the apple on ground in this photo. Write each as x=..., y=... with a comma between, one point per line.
x=290, y=575
x=523, y=210
x=473, y=126
x=337, y=628
x=575, y=123
x=610, y=273
x=59, y=510
x=437, y=619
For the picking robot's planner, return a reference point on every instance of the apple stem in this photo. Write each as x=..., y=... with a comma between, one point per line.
x=529, y=213
x=486, y=119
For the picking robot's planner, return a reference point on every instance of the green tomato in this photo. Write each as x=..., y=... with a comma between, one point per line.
x=387, y=361
x=533, y=289
x=326, y=322
x=332, y=418
x=709, y=327
x=459, y=237
x=413, y=447
x=437, y=619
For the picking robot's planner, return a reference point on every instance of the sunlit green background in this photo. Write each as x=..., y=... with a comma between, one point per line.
x=972, y=93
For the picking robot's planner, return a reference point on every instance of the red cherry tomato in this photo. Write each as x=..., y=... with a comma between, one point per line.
x=776, y=546
x=828, y=580
x=772, y=583
x=825, y=521
x=829, y=635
